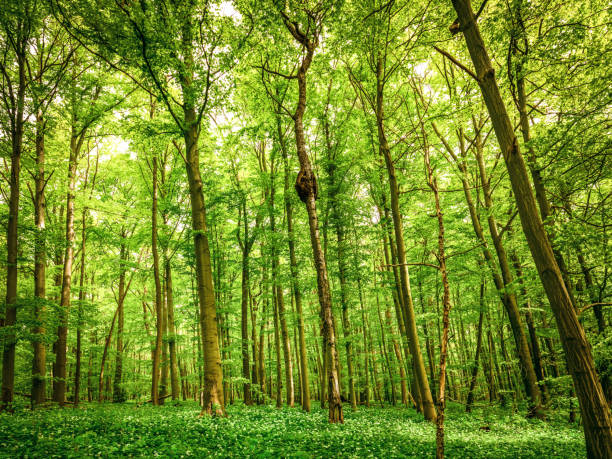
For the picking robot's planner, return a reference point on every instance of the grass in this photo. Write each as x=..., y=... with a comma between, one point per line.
x=260, y=432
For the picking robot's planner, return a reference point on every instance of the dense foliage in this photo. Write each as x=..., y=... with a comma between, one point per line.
x=258, y=202
x=131, y=431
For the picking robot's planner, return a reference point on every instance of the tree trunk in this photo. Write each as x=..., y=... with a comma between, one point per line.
x=528, y=374
x=77, y=371
x=426, y=399
x=474, y=376
x=244, y=303
x=277, y=349
x=59, y=382
x=212, y=399
x=10, y=315
x=306, y=187
x=158, y=293
x=118, y=392
x=432, y=182
x=297, y=293
x=174, y=367
x=39, y=360
x=163, y=381
x=593, y=405
x=104, y=354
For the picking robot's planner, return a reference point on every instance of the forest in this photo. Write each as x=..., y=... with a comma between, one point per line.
x=305, y=228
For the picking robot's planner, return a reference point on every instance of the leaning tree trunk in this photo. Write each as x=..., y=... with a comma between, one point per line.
x=516, y=324
x=593, y=405
x=429, y=410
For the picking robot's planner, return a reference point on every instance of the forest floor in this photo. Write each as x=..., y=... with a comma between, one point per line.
x=257, y=432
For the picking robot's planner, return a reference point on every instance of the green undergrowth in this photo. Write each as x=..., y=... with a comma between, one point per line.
x=257, y=432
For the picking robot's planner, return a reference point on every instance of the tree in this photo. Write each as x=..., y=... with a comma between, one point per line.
x=593, y=405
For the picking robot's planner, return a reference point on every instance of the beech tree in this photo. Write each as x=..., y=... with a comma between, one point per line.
x=375, y=211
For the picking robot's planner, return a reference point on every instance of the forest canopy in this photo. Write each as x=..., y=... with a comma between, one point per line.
x=360, y=210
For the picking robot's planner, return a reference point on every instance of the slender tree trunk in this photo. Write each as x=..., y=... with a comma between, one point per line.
x=297, y=293
x=90, y=382
x=104, y=354
x=118, y=392
x=163, y=381
x=244, y=303
x=429, y=410
x=280, y=300
x=157, y=348
x=366, y=355
x=10, y=315
x=254, y=342
x=277, y=349
x=432, y=182
x=174, y=366
x=59, y=382
x=528, y=374
x=334, y=205
x=262, y=327
x=39, y=360
x=306, y=187
x=536, y=353
x=282, y=315
x=590, y=287
x=593, y=405
x=77, y=372
x=474, y=375
x=383, y=345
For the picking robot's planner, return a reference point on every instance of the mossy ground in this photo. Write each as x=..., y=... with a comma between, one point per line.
x=257, y=432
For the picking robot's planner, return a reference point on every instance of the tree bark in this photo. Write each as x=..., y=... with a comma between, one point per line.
x=158, y=293
x=528, y=374
x=118, y=392
x=474, y=375
x=244, y=303
x=212, y=398
x=59, y=382
x=77, y=371
x=306, y=187
x=16, y=122
x=432, y=182
x=39, y=360
x=104, y=354
x=593, y=405
x=174, y=367
x=297, y=293
x=429, y=410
